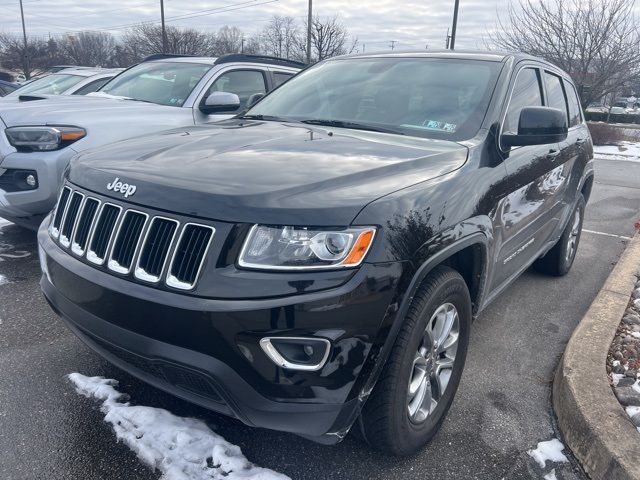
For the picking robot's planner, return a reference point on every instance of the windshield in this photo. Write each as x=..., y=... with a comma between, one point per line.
x=55, y=84
x=425, y=97
x=164, y=83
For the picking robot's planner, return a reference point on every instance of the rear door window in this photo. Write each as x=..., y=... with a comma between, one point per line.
x=281, y=77
x=526, y=93
x=243, y=83
x=92, y=86
x=555, y=92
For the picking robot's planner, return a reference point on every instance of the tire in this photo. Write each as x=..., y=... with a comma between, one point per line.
x=398, y=419
x=559, y=259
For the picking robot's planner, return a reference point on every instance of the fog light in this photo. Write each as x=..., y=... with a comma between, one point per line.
x=297, y=353
x=31, y=180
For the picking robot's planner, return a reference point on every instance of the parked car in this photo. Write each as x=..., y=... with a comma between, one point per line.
x=315, y=264
x=68, y=82
x=40, y=136
x=7, y=87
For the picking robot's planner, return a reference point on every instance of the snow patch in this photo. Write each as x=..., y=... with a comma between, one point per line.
x=631, y=411
x=636, y=386
x=550, y=450
x=635, y=334
x=616, y=377
x=180, y=448
x=551, y=475
x=629, y=151
x=4, y=222
x=3, y=280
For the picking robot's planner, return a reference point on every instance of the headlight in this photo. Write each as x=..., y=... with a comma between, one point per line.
x=294, y=248
x=41, y=139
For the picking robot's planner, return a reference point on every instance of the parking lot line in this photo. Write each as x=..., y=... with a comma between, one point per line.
x=622, y=237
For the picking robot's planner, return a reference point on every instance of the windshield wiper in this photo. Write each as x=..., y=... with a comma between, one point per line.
x=268, y=118
x=353, y=125
x=138, y=100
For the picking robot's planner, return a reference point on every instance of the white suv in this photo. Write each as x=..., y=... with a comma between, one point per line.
x=38, y=137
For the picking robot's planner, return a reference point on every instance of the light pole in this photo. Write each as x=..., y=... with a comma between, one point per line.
x=309, y=22
x=25, y=53
x=455, y=25
x=164, y=30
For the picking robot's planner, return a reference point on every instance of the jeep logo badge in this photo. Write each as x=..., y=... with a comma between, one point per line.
x=124, y=188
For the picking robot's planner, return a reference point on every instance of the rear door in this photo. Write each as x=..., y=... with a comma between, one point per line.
x=528, y=214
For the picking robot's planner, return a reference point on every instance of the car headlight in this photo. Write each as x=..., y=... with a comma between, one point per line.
x=43, y=139
x=297, y=248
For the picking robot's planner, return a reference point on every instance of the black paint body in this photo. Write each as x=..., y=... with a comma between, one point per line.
x=484, y=210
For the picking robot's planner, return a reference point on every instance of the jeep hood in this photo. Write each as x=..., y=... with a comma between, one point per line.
x=103, y=115
x=268, y=172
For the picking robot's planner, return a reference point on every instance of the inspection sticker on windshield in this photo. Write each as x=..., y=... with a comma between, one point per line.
x=436, y=125
x=442, y=126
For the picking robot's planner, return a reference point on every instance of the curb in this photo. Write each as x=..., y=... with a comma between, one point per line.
x=594, y=424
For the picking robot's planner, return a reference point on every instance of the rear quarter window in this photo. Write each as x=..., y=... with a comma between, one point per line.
x=575, y=110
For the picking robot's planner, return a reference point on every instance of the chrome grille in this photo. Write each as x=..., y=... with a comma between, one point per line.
x=83, y=229
x=60, y=209
x=157, y=243
x=130, y=241
x=126, y=241
x=185, y=265
x=70, y=217
x=101, y=236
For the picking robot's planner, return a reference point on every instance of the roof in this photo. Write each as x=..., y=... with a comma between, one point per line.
x=88, y=72
x=204, y=60
x=229, y=58
x=486, y=55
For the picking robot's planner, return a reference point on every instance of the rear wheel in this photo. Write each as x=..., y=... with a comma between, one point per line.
x=559, y=259
x=419, y=381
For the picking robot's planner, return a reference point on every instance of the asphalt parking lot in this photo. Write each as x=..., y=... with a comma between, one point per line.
x=502, y=409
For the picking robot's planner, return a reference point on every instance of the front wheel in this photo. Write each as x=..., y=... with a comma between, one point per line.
x=418, y=383
x=559, y=259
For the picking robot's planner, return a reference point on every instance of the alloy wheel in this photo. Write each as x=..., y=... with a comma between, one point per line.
x=573, y=236
x=433, y=363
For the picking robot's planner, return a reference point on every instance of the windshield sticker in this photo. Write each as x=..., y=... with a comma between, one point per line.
x=436, y=126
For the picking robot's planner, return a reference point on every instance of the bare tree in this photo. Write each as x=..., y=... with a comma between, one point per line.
x=596, y=41
x=329, y=38
x=38, y=55
x=146, y=39
x=88, y=48
x=279, y=37
x=228, y=40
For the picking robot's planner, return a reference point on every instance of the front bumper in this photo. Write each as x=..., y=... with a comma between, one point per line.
x=207, y=350
x=49, y=167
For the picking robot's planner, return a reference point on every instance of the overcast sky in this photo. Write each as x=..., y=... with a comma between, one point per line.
x=411, y=23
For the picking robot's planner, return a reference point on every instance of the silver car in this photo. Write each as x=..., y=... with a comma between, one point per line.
x=39, y=137
x=70, y=81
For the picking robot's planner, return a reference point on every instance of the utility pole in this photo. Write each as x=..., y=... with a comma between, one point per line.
x=393, y=44
x=455, y=24
x=164, y=30
x=25, y=53
x=309, y=25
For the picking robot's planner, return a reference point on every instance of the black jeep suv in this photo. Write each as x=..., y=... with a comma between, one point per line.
x=314, y=265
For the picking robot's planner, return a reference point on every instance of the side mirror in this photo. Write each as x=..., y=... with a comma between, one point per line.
x=220, y=102
x=255, y=98
x=538, y=126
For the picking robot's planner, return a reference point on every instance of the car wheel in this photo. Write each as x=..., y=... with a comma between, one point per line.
x=559, y=259
x=416, y=388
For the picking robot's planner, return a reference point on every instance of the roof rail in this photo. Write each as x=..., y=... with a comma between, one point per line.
x=241, y=57
x=160, y=56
